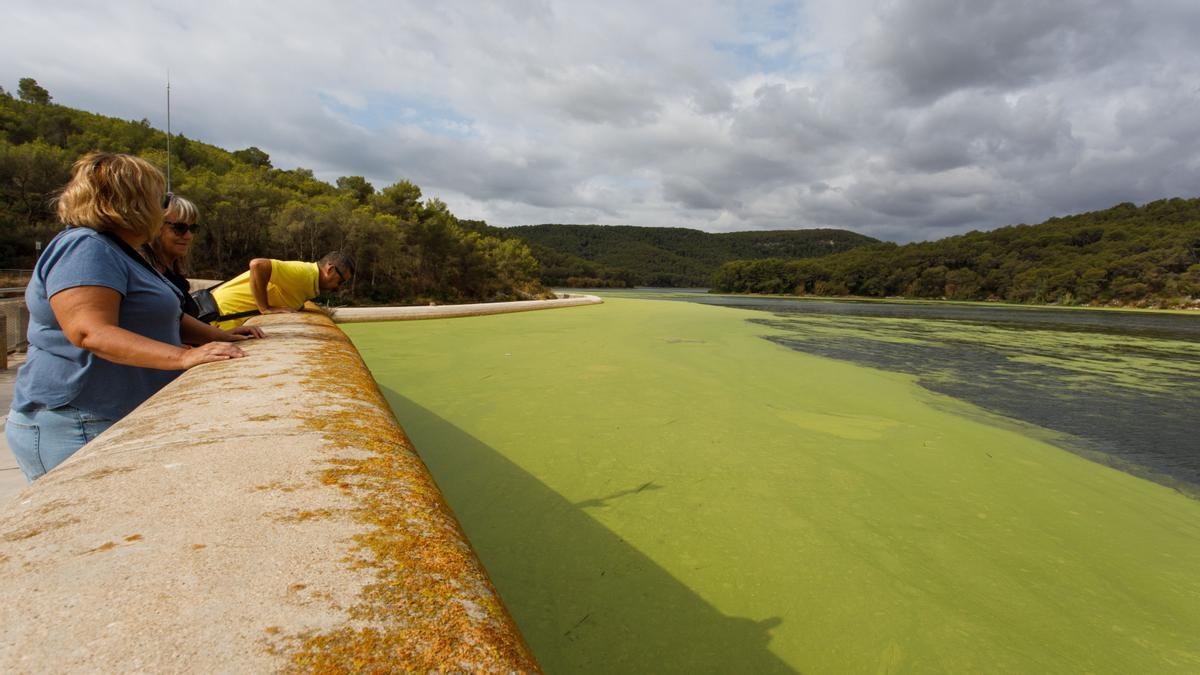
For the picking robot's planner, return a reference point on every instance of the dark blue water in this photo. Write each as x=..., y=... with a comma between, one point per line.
x=1122, y=388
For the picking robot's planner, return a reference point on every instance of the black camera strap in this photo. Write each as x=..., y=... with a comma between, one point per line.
x=129, y=251
x=141, y=260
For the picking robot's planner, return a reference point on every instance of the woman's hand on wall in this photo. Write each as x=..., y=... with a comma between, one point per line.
x=249, y=332
x=208, y=353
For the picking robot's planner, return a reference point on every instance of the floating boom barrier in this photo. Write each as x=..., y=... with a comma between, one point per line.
x=363, y=314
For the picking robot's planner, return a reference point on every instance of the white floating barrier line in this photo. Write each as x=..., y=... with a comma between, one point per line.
x=366, y=314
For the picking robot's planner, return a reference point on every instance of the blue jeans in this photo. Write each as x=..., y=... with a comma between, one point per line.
x=44, y=438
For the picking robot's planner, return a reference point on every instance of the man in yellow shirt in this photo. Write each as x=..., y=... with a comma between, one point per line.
x=274, y=286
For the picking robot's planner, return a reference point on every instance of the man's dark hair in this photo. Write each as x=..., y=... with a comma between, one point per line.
x=339, y=260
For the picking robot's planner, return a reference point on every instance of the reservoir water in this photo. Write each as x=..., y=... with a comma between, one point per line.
x=680, y=487
x=1119, y=387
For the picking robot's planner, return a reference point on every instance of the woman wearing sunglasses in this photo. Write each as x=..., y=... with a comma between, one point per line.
x=105, y=332
x=169, y=250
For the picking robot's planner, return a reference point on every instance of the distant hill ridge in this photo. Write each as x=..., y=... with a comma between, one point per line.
x=1127, y=255
x=626, y=255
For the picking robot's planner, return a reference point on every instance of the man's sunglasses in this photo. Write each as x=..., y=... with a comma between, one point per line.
x=342, y=276
x=181, y=229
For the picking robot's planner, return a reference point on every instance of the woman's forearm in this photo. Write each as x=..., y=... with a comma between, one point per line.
x=195, y=332
x=88, y=316
x=113, y=343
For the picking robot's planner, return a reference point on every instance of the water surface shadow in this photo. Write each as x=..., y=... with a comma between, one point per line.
x=586, y=600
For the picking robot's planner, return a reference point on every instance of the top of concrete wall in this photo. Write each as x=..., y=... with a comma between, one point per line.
x=258, y=514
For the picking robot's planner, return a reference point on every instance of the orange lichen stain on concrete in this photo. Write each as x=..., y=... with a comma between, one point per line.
x=272, y=630
x=34, y=530
x=134, y=537
x=432, y=607
x=197, y=547
x=55, y=505
x=278, y=487
x=106, y=546
x=3, y=558
x=305, y=515
x=104, y=472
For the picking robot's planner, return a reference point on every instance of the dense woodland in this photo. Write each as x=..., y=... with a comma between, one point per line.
x=1126, y=255
x=407, y=249
x=620, y=255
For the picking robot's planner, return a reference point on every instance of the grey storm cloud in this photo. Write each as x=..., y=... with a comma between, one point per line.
x=906, y=119
x=594, y=95
x=934, y=47
x=691, y=193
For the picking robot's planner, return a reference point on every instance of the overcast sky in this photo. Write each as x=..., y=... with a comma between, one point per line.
x=902, y=119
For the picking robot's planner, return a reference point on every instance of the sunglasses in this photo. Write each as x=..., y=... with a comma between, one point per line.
x=181, y=229
x=342, y=276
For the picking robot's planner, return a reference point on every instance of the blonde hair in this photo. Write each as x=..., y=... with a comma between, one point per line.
x=110, y=191
x=178, y=210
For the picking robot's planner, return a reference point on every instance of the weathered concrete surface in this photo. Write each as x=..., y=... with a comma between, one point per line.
x=366, y=314
x=259, y=514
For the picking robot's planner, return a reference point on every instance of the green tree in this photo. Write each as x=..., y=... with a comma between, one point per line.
x=357, y=187
x=402, y=200
x=253, y=156
x=29, y=91
x=29, y=176
x=963, y=284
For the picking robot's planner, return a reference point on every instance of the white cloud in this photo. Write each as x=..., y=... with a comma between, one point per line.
x=904, y=119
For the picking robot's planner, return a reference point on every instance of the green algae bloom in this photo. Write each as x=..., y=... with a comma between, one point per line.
x=654, y=487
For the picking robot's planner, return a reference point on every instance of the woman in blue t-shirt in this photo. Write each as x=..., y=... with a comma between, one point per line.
x=104, y=326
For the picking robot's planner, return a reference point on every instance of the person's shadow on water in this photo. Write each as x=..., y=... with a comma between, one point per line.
x=585, y=600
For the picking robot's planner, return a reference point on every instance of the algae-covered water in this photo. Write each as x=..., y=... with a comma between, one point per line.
x=1119, y=387
x=654, y=487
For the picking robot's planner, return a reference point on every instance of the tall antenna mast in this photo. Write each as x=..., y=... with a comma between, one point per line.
x=168, y=131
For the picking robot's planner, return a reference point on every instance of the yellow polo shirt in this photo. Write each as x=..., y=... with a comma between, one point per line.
x=292, y=283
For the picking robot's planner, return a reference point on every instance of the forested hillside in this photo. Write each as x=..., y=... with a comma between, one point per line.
x=664, y=256
x=1126, y=255
x=407, y=249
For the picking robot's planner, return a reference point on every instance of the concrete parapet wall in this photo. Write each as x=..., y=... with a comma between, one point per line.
x=197, y=284
x=16, y=327
x=266, y=513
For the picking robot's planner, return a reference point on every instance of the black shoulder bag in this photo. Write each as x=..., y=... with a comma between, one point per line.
x=210, y=311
